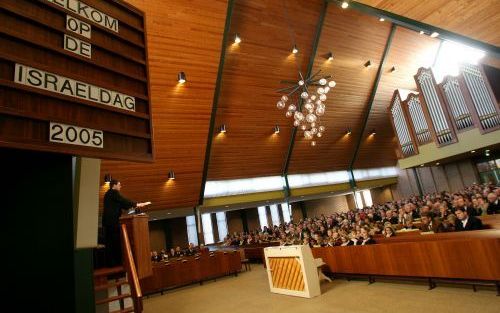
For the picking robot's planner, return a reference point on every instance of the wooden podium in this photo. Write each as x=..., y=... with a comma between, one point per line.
x=292, y=271
x=138, y=233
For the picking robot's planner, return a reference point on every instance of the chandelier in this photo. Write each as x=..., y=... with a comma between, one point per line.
x=307, y=105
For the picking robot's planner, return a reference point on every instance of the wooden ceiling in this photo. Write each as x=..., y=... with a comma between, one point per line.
x=187, y=36
x=479, y=20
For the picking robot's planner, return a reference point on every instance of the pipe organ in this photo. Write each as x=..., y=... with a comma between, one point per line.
x=434, y=106
x=400, y=125
x=438, y=111
x=418, y=118
x=456, y=101
x=482, y=97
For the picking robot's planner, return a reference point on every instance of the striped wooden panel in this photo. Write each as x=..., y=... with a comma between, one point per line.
x=475, y=19
x=286, y=273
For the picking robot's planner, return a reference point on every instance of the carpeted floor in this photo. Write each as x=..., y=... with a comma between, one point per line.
x=249, y=293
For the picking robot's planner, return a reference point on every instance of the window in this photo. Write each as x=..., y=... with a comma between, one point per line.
x=191, y=230
x=217, y=188
x=262, y=216
x=275, y=214
x=367, y=196
x=221, y=225
x=208, y=233
x=287, y=213
x=358, y=200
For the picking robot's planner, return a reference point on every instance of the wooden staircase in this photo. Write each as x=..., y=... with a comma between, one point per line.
x=109, y=278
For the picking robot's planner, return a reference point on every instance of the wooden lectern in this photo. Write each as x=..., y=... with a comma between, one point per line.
x=138, y=233
x=292, y=270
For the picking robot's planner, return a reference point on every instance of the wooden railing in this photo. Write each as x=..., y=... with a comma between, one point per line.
x=129, y=264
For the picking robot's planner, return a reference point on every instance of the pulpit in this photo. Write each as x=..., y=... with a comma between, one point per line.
x=138, y=233
x=292, y=270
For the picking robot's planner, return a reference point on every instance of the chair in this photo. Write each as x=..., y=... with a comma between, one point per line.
x=244, y=260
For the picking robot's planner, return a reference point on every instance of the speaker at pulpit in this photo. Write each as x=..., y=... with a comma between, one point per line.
x=138, y=233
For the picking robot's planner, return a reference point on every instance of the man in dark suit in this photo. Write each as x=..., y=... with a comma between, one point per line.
x=466, y=222
x=430, y=224
x=493, y=204
x=114, y=203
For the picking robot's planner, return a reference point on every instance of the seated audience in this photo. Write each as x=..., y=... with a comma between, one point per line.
x=430, y=224
x=493, y=204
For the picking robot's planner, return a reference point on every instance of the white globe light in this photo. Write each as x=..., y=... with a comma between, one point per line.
x=308, y=134
x=314, y=130
x=288, y=113
x=320, y=111
x=322, y=81
x=322, y=97
x=308, y=106
x=313, y=124
x=301, y=82
x=313, y=97
x=332, y=84
x=280, y=104
x=303, y=127
x=313, y=143
x=284, y=98
x=327, y=89
x=320, y=90
x=296, y=123
x=292, y=107
x=319, y=134
x=299, y=116
x=321, y=128
x=311, y=118
x=304, y=95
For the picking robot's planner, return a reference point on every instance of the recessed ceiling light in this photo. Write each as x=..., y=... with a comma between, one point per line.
x=344, y=4
x=381, y=19
x=422, y=32
x=181, y=77
x=222, y=128
x=473, y=151
x=276, y=129
x=437, y=163
x=237, y=38
x=373, y=132
x=330, y=56
x=421, y=165
x=434, y=34
x=295, y=50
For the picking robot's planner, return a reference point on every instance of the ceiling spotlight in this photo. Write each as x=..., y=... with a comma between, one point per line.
x=171, y=175
x=344, y=4
x=107, y=178
x=393, y=69
x=487, y=154
x=434, y=34
x=181, y=77
x=487, y=150
x=368, y=63
x=372, y=133
x=473, y=151
x=330, y=56
x=276, y=129
x=222, y=128
x=295, y=50
x=422, y=32
x=422, y=165
x=437, y=163
x=237, y=38
x=348, y=132
x=381, y=19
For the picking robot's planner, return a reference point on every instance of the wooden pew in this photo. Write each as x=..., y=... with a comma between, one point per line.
x=472, y=256
x=191, y=269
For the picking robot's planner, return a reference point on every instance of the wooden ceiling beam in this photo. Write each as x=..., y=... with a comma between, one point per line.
x=218, y=85
x=419, y=26
x=370, y=103
x=317, y=36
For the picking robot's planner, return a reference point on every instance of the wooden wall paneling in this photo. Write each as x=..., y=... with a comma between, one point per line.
x=468, y=18
x=409, y=50
x=351, y=47
x=252, y=74
x=32, y=35
x=182, y=36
